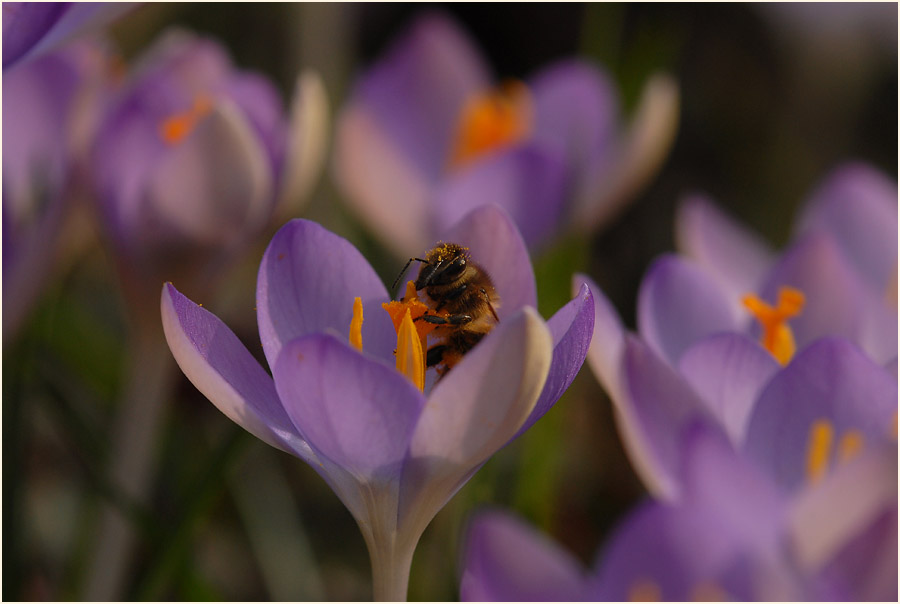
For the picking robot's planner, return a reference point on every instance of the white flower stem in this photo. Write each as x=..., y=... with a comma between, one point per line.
x=391, y=562
x=135, y=429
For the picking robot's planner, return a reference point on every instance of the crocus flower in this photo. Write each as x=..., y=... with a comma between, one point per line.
x=50, y=109
x=842, y=261
x=195, y=155
x=33, y=28
x=733, y=536
x=428, y=134
x=393, y=447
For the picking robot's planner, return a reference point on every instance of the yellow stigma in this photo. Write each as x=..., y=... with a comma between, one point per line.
x=178, y=126
x=818, y=449
x=356, y=324
x=644, y=590
x=777, y=336
x=850, y=445
x=492, y=120
x=410, y=355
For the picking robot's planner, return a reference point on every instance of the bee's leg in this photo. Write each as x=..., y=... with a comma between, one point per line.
x=450, y=320
x=435, y=355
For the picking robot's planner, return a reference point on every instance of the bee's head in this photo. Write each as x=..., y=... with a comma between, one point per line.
x=444, y=264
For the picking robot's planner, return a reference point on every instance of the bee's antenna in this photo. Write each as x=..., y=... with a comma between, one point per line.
x=406, y=266
x=490, y=306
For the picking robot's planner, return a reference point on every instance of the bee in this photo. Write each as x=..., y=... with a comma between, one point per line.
x=462, y=301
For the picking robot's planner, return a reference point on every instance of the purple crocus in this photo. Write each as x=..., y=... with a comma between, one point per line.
x=50, y=109
x=33, y=28
x=192, y=160
x=428, y=134
x=393, y=451
x=733, y=535
x=842, y=260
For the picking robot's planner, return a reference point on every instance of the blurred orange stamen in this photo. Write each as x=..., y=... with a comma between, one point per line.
x=176, y=127
x=777, y=336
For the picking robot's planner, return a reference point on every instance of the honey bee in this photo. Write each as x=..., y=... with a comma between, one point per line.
x=462, y=302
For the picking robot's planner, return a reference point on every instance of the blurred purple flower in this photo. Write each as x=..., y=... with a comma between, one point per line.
x=732, y=536
x=428, y=135
x=192, y=160
x=393, y=454
x=50, y=110
x=843, y=259
x=33, y=28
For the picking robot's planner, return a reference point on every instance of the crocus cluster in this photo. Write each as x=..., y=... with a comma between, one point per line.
x=193, y=158
x=771, y=453
x=345, y=395
x=428, y=134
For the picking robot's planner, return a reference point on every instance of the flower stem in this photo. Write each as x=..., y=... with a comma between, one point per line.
x=135, y=429
x=391, y=563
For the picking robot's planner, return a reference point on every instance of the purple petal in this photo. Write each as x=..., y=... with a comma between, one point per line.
x=382, y=185
x=527, y=181
x=506, y=560
x=473, y=412
x=678, y=304
x=674, y=554
x=605, y=355
x=735, y=256
x=571, y=328
x=215, y=187
x=32, y=28
x=837, y=302
x=857, y=205
x=576, y=110
x=355, y=411
x=832, y=520
x=260, y=103
x=307, y=282
x=417, y=90
x=216, y=362
x=496, y=245
x=657, y=407
x=831, y=380
x=728, y=371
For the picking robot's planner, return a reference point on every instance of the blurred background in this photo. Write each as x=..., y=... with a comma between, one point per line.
x=773, y=97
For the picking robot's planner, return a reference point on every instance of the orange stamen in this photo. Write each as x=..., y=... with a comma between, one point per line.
x=777, y=336
x=818, y=449
x=492, y=120
x=356, y=324
x=178, y=126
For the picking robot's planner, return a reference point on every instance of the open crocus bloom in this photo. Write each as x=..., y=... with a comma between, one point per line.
x=33, y=28
x=732, y=536
x=195, y=155
x=842, y=259
x=50, y=110
x=393, y=453
x=428, y=135
x=828, y=416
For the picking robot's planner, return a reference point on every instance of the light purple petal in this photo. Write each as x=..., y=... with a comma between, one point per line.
x=667, y=553
x=728, y=371
x=355, y=411
x=857, y=205
x=735, y=256
x=838, y=303
x=528, y=181
x=576, y=110
x=605, y=355
x=508, y=561
x=260, y=103
x=831, y=380
x=571, y=328
x=417, y=90
x=678, y=304
x=222, y=368
x=474, y=411
x=831, y=517
x=214, y=187
x=496, y=245
x=307, y=282
x=658, y=405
